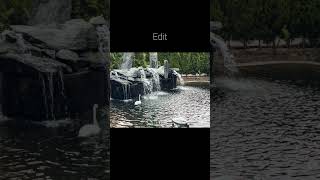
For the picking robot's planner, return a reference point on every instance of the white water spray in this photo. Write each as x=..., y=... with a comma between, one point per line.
x=155, y=79
x=127, y=60
x=179, y=77
x=219, y=43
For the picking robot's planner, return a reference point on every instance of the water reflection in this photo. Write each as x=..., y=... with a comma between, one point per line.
x=185, y=104
x=265, y=129
x=32, y=151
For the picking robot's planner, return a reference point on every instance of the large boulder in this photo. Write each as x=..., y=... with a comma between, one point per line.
x=72, y=59
x=95, y=59
x=92, y=39
x=68, y=55
x=19, y=63
x=6, y=47
x=72, y=35
x=99, y=20
x=9, y=36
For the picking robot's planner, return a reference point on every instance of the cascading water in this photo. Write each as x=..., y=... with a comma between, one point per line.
x=147, y=85
x=142, y=74
x=217, y=42
x=125, y=90
x=179, y=77
x=51, y=90
x=153, y=58
x=155, y=79
x=103, y=41
x=44, y=93
x=127, y=60
x=62, y=91
x=144, y=80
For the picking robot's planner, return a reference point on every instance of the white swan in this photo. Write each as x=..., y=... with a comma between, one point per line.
x=90, y=129
x=138, y=102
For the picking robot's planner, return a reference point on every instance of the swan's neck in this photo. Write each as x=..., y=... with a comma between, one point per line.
x=139, y=97
x=95, y=115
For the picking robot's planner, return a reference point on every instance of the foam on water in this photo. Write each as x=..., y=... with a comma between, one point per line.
x=150, y=97
x=126, y=100
x=56, y=123
x=161, y=93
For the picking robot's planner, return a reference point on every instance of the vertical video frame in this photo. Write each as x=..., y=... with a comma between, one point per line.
x=160, y=90
x=54, y=89
x=265, y=91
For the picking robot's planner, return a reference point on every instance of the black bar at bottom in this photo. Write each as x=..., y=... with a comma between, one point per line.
x=160, y=153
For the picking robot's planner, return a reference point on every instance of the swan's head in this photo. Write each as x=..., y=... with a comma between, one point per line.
x=95, y=106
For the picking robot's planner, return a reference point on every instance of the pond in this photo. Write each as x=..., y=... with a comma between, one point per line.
x=265, y=129
x=185, y=104
x=52, y=150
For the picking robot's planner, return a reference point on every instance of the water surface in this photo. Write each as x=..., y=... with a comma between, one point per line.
x=186, y=104
x=265, y=129
x=34, y=151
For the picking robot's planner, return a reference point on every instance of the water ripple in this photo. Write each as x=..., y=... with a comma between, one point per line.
x=265, y=130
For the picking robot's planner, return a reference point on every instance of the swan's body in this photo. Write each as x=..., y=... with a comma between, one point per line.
x=138, y=102
x=90, y=129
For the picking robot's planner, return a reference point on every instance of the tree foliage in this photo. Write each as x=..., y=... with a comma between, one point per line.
x=90, y=8
x=268, y=19
x=187, y=63
x=14, y=12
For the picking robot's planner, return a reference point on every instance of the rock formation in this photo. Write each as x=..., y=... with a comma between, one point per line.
x=53, y=66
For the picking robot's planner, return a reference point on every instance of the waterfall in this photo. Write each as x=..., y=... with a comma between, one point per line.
x=62, y=91
x=44, y=93
x=218, y=42
x=126, y=91
x=48, y=93
x=61, y=82
x=103, y=42
x=51, y=90
x=50, y=11
x=155, y=79
x=142, y=74
x=147, y=86
x=166, y=69
x=179, y=77
x=153, y=59
x=127, y=60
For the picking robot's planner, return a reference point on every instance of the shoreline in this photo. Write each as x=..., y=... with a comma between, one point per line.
x=195, y=80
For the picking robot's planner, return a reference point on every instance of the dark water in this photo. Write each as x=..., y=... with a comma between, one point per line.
x=265, y=130
x=186, y=104
x=33, y=151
